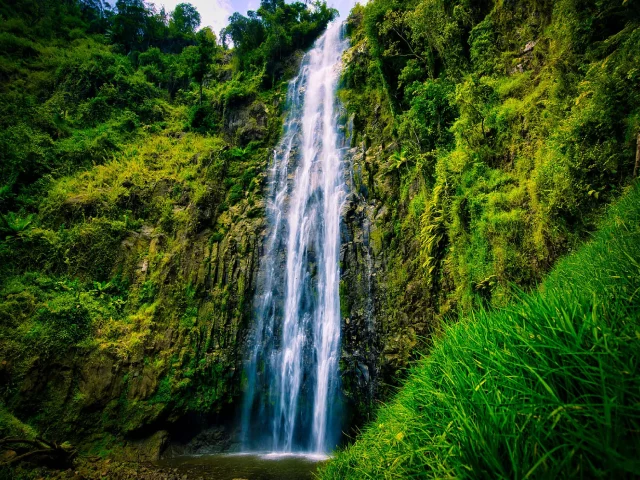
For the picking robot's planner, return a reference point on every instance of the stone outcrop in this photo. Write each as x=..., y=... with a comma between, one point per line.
x=384, y=305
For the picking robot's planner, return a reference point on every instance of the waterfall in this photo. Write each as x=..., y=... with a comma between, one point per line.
x=292, y=364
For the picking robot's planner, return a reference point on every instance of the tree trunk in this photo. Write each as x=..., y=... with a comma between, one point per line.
x=637, y=166
x=38, y=450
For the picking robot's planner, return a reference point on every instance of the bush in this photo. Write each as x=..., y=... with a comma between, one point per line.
x=544, y=388
x=202, y=118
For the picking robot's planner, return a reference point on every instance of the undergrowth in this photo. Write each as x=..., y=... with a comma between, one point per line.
x=547, y=387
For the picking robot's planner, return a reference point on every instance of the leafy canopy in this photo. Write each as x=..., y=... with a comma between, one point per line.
x=263, y=39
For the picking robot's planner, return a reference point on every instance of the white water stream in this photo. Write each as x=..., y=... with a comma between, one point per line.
x=292, y=366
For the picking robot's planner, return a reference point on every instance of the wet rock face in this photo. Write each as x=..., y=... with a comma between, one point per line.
x=361, y=337
x=165, y=335
x=383, y=298
x=201, y=350
x=147, y=449
x=97, y=381
x=179, y=352
x=246, y=123
x=215, y=439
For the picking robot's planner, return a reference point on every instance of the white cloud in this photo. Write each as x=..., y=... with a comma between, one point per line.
x=215, y=13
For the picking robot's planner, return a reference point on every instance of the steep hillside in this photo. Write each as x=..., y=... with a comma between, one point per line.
x=547, y=387
x=487, y=137
x=134, y=152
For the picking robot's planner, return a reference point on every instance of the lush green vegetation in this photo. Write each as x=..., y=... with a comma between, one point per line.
x=132, y=152
x=489, y=138
x=512, y=123
x=79, y=80
x=544, y=388
x=265, y=39
x=490, y=135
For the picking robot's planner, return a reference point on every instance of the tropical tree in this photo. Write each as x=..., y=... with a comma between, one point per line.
x=183, y=23
x=202, y=56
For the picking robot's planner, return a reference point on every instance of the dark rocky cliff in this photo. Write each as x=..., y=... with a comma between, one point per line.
x=383, y=297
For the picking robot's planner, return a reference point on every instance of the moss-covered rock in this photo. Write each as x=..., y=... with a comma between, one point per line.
x=486, y=139
x=124, y=306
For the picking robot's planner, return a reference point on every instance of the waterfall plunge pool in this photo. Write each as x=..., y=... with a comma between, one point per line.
x=249, y=466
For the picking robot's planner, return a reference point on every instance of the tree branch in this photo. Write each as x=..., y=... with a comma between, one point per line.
x=409, y=45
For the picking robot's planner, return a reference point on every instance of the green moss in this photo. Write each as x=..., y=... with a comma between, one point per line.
x=10, y=426
x=543, y=388
x=518, y=153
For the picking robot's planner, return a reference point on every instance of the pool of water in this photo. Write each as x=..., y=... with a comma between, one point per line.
x=247, y=466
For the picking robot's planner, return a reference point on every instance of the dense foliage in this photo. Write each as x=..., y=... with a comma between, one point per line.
x=493, y=133
x=263, y=39
x=132, y=152
x=489, y=137
x=78, y=79
x=547, y=388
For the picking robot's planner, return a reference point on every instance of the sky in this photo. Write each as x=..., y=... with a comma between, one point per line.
x=214, y=13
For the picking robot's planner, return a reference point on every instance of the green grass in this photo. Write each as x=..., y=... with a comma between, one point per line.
x=548, y=387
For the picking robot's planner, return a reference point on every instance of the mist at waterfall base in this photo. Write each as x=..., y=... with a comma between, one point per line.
x=292, y=399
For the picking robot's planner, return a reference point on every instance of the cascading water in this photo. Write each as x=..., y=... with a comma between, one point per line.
x=292, y=367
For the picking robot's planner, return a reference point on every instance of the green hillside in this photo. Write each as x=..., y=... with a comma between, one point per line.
x=489, y=240
x=489, y=138
x=546, y=387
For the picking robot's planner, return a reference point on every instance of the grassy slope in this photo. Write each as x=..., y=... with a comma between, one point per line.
x=545, y=388
x=482, y=170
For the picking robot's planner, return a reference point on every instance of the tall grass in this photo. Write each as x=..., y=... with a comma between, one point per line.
x=546, y=388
